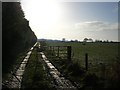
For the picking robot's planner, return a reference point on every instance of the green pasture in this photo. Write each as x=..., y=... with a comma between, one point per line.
x=103, y=63
x=98, y=53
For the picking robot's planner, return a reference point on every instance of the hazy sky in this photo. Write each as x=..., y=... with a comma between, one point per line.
x=72, y=20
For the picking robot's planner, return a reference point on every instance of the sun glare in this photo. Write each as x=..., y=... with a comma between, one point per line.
x=45, y=13
x=55, y=19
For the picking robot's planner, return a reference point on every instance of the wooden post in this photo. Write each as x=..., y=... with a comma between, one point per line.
x=69, y=50
x=58, y=51
x=86, y=61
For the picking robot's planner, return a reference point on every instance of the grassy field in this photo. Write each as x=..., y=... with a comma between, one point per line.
x=97, y=52
x=103, y=64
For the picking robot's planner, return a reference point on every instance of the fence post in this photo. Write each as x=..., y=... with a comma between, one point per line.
x=86, y=61
x=58, y=52
x=69, y=50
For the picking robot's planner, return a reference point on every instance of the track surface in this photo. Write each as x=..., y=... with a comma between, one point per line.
x=62, y=83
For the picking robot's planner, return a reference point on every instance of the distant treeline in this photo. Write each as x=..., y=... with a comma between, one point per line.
x=17, y=36
x=82, y=41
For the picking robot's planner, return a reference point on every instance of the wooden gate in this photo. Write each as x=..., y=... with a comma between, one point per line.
x=63, y=52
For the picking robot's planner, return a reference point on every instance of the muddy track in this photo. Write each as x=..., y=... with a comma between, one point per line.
x=18, y=75
x=60, y=81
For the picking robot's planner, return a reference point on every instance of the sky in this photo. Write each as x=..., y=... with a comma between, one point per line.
x=52, y=19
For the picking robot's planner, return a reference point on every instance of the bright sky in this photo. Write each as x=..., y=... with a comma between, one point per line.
x=51, y=19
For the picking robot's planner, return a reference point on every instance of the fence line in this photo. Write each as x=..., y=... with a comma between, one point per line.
x=61, y=51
